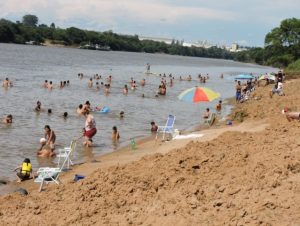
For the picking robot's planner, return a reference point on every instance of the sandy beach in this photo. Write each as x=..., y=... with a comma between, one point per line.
x=244, y=174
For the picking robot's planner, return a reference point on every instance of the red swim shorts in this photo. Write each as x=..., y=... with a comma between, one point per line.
x=90, y=133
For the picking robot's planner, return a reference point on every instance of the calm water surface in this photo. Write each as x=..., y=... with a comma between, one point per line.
x=29, y=66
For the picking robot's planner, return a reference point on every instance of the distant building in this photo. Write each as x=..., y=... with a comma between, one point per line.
x=165, y=40
x=236, y=48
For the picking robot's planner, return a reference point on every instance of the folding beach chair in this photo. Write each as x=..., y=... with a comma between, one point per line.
x=47, y=175
x=65, y=155
x=168, y=128
x=210, y=120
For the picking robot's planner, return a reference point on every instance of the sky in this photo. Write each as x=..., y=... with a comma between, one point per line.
x=220, y=22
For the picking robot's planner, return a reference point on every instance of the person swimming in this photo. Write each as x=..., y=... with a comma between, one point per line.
x=50, y=85
x=7, y=119
x=38, y=106
x=125, y=90
x=80, y=110
x=45, y=85
x=7, y=83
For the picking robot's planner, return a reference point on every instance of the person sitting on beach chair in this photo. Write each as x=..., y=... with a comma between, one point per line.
x=291, y=115
x=25, y=171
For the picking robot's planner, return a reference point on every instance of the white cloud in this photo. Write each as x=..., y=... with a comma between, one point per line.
x=108, y=10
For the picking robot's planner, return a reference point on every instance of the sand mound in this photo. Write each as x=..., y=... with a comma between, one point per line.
x=236, y=179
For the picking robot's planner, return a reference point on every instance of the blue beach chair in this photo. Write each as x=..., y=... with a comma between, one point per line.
x=168, y=128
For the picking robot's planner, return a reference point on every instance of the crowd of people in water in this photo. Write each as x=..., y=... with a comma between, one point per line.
x=105, y=83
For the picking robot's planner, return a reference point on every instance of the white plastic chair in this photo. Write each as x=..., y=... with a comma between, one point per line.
x=65, y=155
x=47, y=175
x=168, y=128
x=50, y=174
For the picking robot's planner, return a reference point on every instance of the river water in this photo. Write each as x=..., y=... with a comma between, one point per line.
x=29, y=66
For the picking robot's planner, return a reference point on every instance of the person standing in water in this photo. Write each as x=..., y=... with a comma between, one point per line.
x=115, y=136
x=89, y=130
x=148, y=68
x=50, y=137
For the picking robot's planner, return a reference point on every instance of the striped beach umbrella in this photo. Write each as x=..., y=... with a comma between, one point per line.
x=198, y=94
x=267, y=76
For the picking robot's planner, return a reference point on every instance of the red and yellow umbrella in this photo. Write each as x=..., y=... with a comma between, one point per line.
x=198, y=94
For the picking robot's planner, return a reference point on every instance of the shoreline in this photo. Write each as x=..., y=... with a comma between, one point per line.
x=244, y=174
x=141, y=141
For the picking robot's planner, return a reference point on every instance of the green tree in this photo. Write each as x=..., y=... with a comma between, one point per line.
x=30, y=20
x=282, y=44
x=75, y=35
x=6, y=33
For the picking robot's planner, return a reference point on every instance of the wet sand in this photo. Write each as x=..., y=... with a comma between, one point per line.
x=245, y=174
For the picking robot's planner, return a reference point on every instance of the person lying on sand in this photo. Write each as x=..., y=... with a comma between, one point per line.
x=290, y=116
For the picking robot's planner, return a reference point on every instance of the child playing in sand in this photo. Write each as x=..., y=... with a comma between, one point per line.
x=115, y=136
x=25, y=171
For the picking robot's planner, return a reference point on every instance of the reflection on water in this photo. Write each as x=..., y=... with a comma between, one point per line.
x=29, y=66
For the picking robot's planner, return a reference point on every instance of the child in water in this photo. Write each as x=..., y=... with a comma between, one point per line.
x=115, y=136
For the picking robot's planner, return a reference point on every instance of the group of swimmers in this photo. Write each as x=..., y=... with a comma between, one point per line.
x=49, y=85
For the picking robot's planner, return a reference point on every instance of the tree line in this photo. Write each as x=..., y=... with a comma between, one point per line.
x=281, y=49
x=29, y=29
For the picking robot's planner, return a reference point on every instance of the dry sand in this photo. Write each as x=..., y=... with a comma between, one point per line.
x=247, y=174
